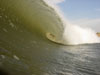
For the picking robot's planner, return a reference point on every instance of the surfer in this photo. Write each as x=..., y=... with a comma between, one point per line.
x=52, y=38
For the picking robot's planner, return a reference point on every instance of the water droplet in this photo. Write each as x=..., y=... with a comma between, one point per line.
x=0, y=16
x=34, y=42
x=11, y=24
x=2, y=56
x=5, y=30
x=6, y=16
x=46, y=74
x=17, y=58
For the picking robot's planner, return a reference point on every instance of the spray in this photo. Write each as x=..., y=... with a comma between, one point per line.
x=74, y=34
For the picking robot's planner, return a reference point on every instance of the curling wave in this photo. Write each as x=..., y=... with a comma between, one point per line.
x=73, y=34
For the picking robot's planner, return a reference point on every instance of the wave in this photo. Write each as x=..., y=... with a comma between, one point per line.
x=45, y=20
x=73, y=34
x=25, y=26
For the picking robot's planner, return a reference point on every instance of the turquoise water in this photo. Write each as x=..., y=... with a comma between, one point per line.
x=25, y=49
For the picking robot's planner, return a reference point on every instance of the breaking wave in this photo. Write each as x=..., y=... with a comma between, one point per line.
x=73, y=34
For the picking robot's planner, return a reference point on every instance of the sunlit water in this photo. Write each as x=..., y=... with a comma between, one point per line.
x=77, y=60
x=54, y=59
x=74, y=34
x=25, y=49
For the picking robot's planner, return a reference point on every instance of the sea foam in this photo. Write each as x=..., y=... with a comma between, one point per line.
x=74, y=34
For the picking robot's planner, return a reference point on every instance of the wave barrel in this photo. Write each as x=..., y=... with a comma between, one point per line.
x=23, y=28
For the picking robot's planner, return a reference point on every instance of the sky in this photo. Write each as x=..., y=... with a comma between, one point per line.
x=85, y=13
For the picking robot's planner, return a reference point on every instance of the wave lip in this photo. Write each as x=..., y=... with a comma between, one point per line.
x=72, y=34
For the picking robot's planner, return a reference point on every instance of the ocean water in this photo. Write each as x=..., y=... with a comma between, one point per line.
x=25, y=49
x=51, y=59
x=71, y=31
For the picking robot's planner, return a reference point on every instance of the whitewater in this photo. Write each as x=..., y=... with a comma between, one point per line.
x=25, y=26
x=73, y=34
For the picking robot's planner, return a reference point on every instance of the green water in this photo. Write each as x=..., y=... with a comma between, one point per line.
x=25, y=49
x=23, y=42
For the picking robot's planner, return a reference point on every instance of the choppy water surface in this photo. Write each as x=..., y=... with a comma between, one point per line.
x=25, y=49
x=77, y=60
x=52, y=59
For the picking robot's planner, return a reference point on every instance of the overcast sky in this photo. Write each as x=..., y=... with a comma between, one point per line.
x=85, y=13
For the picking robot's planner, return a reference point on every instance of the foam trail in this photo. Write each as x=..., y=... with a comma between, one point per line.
x=74, y=34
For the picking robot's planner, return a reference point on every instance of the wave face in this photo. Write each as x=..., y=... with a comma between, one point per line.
x=74, y=34
x=25, y=49
x=23, y=42
x=35, y=14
